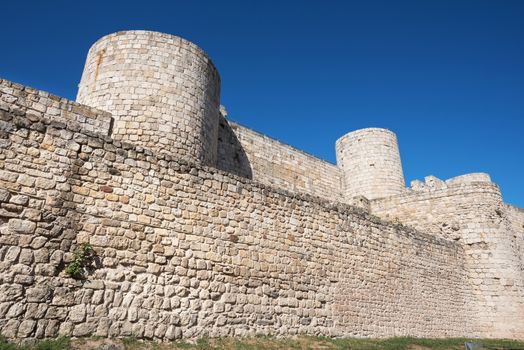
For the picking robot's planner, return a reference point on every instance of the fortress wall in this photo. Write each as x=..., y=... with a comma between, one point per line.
x=474, y=215
x=515, y=217
x=163, y=92
x=33, y=104
x=437, y=211
x=244, y=151
x=184, y=250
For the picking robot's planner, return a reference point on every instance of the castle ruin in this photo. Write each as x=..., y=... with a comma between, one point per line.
x=201, y=226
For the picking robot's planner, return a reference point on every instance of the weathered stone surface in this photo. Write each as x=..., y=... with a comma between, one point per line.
x=12, y=254
x=38, y=294
x=4, y=195
x=11, y=292
x=32, y=214
x=77, y=313
x=26, y=328
x=25, y=180
x=22, y=226
x=15, y=311
x=20, y=200
x=63, y=296
x=10, y=329
x=45, y=184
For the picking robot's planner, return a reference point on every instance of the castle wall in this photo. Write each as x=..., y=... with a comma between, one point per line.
x=473, y=214
x=184, y=250
x=33, y=104
x=163, y=92
x=248, y=153
x=515, y=216
x=370, y=161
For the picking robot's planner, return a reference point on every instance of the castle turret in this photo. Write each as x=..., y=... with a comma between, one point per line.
x=371, y=164
x=163, y=92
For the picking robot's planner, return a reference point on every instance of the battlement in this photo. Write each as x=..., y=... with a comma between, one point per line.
x=203, y=227
x=431, y=183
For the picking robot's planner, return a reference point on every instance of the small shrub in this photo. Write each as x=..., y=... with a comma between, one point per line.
x=83, y=258
x=19, y=124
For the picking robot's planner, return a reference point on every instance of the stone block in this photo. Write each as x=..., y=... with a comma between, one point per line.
x=22, y=226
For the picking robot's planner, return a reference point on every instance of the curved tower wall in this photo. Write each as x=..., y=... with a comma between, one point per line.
x=370, y=161
x=163, y=92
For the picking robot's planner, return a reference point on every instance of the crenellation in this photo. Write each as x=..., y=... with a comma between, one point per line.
x=202, y=227
x=432, y=183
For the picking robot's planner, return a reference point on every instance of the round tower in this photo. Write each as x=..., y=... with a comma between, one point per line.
x=370, y=160
x=163, y=92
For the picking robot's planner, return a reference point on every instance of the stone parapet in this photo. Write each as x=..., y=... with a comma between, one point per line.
x=26, y=105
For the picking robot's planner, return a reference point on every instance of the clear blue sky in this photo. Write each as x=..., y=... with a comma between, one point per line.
x=446, y=76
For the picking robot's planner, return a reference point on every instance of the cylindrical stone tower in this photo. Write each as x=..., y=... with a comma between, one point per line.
x=163, y=92
x=370, y=160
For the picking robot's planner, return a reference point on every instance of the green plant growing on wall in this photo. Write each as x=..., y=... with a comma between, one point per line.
x=83, y=258
x=19, y=124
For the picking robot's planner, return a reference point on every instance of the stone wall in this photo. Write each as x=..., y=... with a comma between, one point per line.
x=163, y=92
x=256, y=156
x=474, y=215
x=515, y=216
x=34, y=104
x=184, y=250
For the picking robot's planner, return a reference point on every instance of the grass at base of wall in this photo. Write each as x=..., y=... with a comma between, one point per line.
x=48, y=344
x=263, y=343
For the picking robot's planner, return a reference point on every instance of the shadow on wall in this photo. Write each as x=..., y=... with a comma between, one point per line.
x=231, y=156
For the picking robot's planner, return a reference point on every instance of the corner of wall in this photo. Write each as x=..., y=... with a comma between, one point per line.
x=469, y=209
